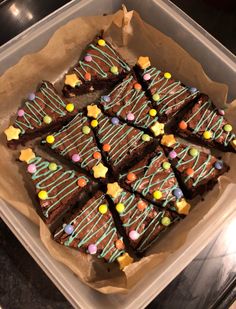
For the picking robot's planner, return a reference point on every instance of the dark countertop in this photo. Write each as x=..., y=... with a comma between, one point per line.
x=208, y=282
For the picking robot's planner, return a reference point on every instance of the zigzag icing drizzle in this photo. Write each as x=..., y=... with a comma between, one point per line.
x=170, y=92
x=213, y=122
x=156, y=180
x=109, y=133
x=106, y=58
x=202, y=170
x=59, y=183
x=36, y=112
x=82, y=223
x=137, y=218
x=131, y=99
x=77, y=141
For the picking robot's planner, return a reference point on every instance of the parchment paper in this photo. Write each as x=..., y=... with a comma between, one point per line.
x=132, y=37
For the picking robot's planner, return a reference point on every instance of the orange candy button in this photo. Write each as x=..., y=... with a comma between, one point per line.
x=87, y=76
x=189, y=171
x=82, y=182
x=141, y=205
x=97, y=155
x=131, y=177
x=106, y=147
x=137, y=86
x=183, y=125
x=119, y=244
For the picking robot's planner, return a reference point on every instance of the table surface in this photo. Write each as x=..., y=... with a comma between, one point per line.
x=209, y=281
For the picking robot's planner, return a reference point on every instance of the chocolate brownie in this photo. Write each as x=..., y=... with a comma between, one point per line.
x=121, y=144
x=128, y=102
x=168, y=95
x=91, y=229
x=57, y=188
x=76, y=142
x=43, y=111
x=142, y=221
x=206, y=124
x=99, y=67
x=154, y=178
x=197, y=171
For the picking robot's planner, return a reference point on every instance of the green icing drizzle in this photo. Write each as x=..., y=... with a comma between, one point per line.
x=138, y=108
x=105, y=57
x=81, y=224
x=171, y=95
x=211, y=121
x=77, y=141
x=114, y=135
x=58, y=184
x=36, y=112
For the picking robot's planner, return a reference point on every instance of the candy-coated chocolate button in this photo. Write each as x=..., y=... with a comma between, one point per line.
x=146, y=76
x=68, y=229
x=134, y=235
x=157, y=195
x=115, y=121
x=177, y=193
x=75, y=157
x=31, y=96
x=218, y=165
x=152, y=112
x=70, y=107
x=166, y=165
x=207, y=134
x=146, y=137
x=47, y=119
x=31, y=168
x=114, y=70
x=137, y=86
x=86, y=129
x=130, y=116
x=182, y=125
x=141, y=205
x=50, y=139
x=120, y=207
x=172, y=154
x=189, y=171
x=94, y=123
x=92, y=249
x=97, y=155
x=43, y=195
x=101, y=42
x=167, y=75
x=87, y=76
x=156, y=97
x=131, y=177
x=193, y=152
x=88, y=58
x=228, y=128
x=119, y=244
x=103, y=209
x=21, y=112
x=52, y=166
x=106, y=147
x=82, y=182
x=165, y=221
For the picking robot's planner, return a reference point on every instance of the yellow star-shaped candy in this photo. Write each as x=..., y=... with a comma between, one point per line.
x=113, y=189
x=72, y=80
x=26, y=155
x=183, y=207
x=158, y=128
x=168, y=140
x=93, y=111
x=99, y=171
x=143, y=62
x=12, y=133
x=125, y=260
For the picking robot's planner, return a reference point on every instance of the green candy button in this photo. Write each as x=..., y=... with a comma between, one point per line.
x=193, y=152
x=86, y=129
x=146, y=137
x=165, y=221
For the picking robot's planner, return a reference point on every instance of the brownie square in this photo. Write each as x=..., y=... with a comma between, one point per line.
x=168, y=95
x=128, y=102
x=142, y=221
x=99, y=67
x=155, y=180
x=57, y=188
x=91, y=229
x=76, y=142
x=121, y=144
x=43, y=111
x=206, y=124
x=197, y=171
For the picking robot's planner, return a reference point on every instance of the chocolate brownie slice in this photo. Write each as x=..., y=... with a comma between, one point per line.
x=121, y=144
x=168, y=95
x=57, y=188
x=43, y=111
x=76, y=142
x=92, y=230
x=99, y=67
x=128, y=102
x=154, y=178
x=206, y=124
x=142, y=221
x=196, y=170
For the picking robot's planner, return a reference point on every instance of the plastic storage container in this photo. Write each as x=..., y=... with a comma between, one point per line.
x=219, y=64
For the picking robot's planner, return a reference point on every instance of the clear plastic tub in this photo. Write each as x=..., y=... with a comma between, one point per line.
x=219, y=64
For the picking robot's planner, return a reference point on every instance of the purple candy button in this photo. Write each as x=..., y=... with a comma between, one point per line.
x=92, y=249
x=172, y=154
x=106, y=98
x=68, y=229
x=31, y=96
x=115, y=120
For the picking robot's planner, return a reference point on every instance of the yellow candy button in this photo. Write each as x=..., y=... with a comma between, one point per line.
x=207, y=134
x=43, y=195
x=120, y=207
x=94, y=123
x=167, y=75
x=50, y=139
x=70, y=107
x=152, y=112
x=102, y=209
x=101, y=42
x=157, y=195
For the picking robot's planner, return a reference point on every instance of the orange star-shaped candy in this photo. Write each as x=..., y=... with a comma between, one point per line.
x=12, y=133
x=26, y=155
x=113, y=189
x=93, y=111
x=143, y=62
x=99, y=171
x=183, y=207
x=125, y=260
x=72, y=80
x=168, y=140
